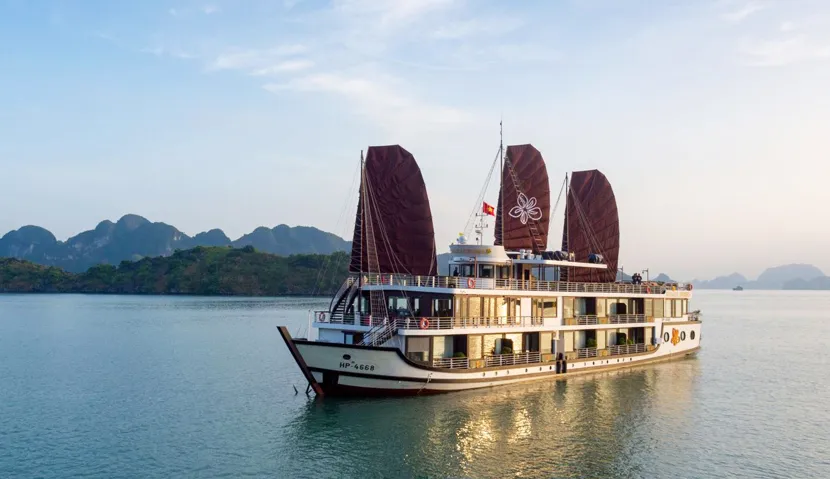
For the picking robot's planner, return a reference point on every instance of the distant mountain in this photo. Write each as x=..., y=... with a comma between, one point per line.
x=819, y=283
x=788, y=276
x=663, y=278
x=722, y=282
x=134, y=237
x=775, y=278
x=285, y=240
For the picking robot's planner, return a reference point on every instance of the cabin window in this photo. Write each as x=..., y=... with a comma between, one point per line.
x=530, y=342
x=486, y=271
x=417, y=349
x=504, y=272
x=516, y=338
x=489, y=310
x=568, y=336
x=398, y=307
x=602, y=304
x=474, y=346
x=416, y=306
x=618, y=307
x=474, y=305
x=442, y=347
x=466, y=270
x=442, y=308
x=489, y=346
x=544, y=308
x=568, y=308
x=658, y=308
x=546, y=342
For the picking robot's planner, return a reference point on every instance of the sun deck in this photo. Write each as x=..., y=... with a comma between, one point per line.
x=369, y=281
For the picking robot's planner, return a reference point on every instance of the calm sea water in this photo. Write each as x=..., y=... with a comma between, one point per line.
x=144, y=387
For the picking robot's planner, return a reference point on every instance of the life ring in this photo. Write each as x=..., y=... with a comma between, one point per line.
x=471, y=283
x=321, y=316
x=424, y=324
x=648, y=289
x=689, y=286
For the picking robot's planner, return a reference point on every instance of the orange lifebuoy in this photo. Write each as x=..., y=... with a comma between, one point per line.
x=689, y=286
x=471, y=283
x=424, y=323
x=648, y=289
x=321, y=316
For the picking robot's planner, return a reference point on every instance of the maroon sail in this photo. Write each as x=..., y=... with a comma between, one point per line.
x=393, y=227
x=523, y=210
x=592, y=226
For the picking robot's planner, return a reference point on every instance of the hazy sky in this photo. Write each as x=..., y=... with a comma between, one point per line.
x=710, y=118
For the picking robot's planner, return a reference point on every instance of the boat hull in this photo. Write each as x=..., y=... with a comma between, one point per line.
x=352, y=370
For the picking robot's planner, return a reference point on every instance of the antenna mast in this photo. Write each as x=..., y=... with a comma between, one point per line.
x=501, y=180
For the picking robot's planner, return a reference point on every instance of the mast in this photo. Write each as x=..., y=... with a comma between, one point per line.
x=360, y=213
x=501, y=179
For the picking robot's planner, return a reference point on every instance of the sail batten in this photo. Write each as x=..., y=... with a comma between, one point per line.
x=523, y=215
x=393, y=226
x=592, y=226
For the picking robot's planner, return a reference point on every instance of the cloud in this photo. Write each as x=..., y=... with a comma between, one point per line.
x=169, y=52
x=173, y=12
x=476, y=27
x=787, y=27
x=254, y=59
x=785, y=51
x=744, y=12
x=391, y=12
x=381, y=99
x=210, y=9
x=284, y=67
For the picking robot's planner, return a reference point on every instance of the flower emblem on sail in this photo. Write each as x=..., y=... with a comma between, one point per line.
x=526, y=209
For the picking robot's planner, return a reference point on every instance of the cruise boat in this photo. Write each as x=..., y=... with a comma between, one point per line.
x=500, y=313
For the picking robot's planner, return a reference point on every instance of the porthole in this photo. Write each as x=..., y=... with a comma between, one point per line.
x=666, y=337
x=550, y=368
x=692, y=335
x=525, y=370
x=346, y=357
x=593, y=363
x=682, y=335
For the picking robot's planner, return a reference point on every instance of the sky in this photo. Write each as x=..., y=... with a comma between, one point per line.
x=710, y=118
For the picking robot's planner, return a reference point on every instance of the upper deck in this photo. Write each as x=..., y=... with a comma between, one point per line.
x=410, y=282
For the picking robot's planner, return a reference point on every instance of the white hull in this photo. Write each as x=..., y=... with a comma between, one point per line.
x=363, y=370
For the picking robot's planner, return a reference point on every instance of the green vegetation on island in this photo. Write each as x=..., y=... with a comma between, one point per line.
x=198, y=271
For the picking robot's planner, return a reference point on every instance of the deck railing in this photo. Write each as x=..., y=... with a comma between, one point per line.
x=451, y=363
x=460, y=282
x=529, y=357
x=433, y=323
x=623, y=349
x=582, y=353
x=587, y=319
x=626, y=318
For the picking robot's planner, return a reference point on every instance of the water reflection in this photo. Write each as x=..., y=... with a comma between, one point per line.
x=603, y=425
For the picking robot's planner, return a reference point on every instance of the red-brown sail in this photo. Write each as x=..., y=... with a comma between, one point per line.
x=393, y=227
x=524, y=201
x=592, y=226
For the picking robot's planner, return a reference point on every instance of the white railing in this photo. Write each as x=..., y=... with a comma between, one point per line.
x=451, y=363
x=626, y=318
x=626, y=349
x=586, y=353
x=529, y=357
x=433, y=323
x=460, y=282
x=586, y=319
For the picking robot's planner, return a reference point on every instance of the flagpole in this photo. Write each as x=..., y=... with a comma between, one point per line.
x=501, y=182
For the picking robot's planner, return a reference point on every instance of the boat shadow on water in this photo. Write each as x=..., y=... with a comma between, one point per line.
x=585, y=426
